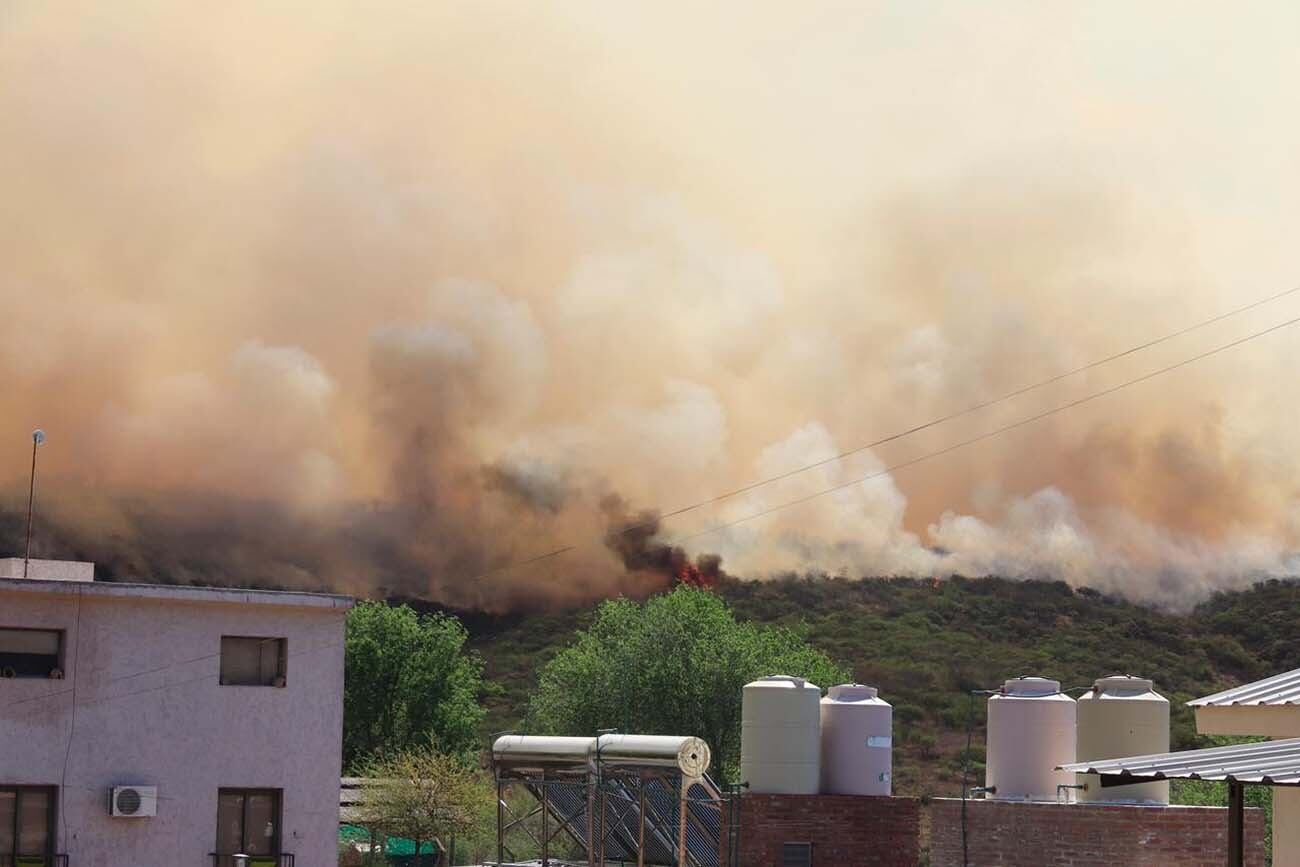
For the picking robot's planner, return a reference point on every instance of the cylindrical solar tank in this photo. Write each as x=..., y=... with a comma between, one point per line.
x=780, y=736
x=1031, y=730
x=1122, y=716
x=857, y=741
x=532, y=752
x=688, y=755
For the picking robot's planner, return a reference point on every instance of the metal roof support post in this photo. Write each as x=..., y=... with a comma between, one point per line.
x=681, y=825
x=640, y=833
x=546, y=825
x=501, y=822
x=730, y=814
x=1236, y=824
x=591, y=821
x=598, y=842
x=604, y=832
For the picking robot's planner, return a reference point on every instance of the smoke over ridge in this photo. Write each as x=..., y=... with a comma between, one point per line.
x=390, y=298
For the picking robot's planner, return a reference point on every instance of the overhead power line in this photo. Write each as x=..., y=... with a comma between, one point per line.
x=658, y=517
x=989, y=435
x=969, y=410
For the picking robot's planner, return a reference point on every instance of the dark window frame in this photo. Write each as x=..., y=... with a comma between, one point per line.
x=282, y=660
x=804, y=849
x=52, y=792
x=59, y=655
x=278, y=840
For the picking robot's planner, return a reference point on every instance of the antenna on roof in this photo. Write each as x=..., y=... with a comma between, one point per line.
x=38, y=437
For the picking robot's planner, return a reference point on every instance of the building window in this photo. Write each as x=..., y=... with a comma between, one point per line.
x=796, y=855
x=252, y=661
x=248, y=823
x=26, y=824
x=30, y=652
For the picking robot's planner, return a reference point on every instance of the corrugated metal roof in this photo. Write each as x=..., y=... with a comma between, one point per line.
x=1270, y=762
x=1280, y=689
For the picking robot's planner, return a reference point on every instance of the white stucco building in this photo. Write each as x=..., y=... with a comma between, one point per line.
x=225, y=704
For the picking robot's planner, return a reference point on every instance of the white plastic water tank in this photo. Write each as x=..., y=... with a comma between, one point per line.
x=857, y=741
x=1122, y=716
x=1031, y=730
x=780, y=736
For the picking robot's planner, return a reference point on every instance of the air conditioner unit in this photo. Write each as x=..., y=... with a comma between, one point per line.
x=133, y=801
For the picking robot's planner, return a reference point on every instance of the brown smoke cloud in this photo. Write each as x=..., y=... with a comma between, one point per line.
x=393, y=297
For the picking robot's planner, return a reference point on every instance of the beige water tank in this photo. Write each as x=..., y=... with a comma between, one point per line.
x=1031, y=730
x=1122, y=716
x=857, y=741
x=780, y=736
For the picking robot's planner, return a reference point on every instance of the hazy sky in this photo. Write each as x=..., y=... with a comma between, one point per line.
x=397, y=293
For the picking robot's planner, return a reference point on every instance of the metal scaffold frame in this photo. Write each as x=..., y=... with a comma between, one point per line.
x=623, y=811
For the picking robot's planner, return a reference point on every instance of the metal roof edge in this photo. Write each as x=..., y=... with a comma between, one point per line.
x=1274, y=763
x=1278, y=689
x=178, y=593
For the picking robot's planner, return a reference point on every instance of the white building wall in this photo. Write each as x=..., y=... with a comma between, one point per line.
x=149, y=710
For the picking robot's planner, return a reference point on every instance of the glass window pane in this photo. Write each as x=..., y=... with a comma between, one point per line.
x=263, y=823
x=251, y=661
x=8, y=806
x=230, y=823
x=33, y=822
x=29, y=641
x=240, y=661
x=270, y=660
x=28, y=652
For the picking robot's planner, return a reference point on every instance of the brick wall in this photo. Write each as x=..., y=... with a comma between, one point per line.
x=845, y=830
x=1080, y=835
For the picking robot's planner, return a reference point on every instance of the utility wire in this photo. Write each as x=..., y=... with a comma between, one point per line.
x=72, y=723
x=971, y=409
x=990, y=434
x=162, y=668
x=164, y=686
x=952, y=416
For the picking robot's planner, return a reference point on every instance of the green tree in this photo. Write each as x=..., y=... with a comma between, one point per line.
x=422, y=795
x=409, y=683
x=673, y=665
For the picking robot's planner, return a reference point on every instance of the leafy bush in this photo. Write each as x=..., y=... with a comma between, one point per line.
x=675, y=664
x=908, y=713
x=408, y=684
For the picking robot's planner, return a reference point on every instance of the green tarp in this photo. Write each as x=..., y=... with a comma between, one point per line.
x=397, y=846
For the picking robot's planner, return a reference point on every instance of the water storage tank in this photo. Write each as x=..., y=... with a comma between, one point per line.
x=857, y=741
x=1030, y=731
x=1122, y=716
x=780, y=736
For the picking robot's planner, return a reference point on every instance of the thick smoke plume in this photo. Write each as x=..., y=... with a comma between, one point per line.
x=635, y=539
x=390, y=298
